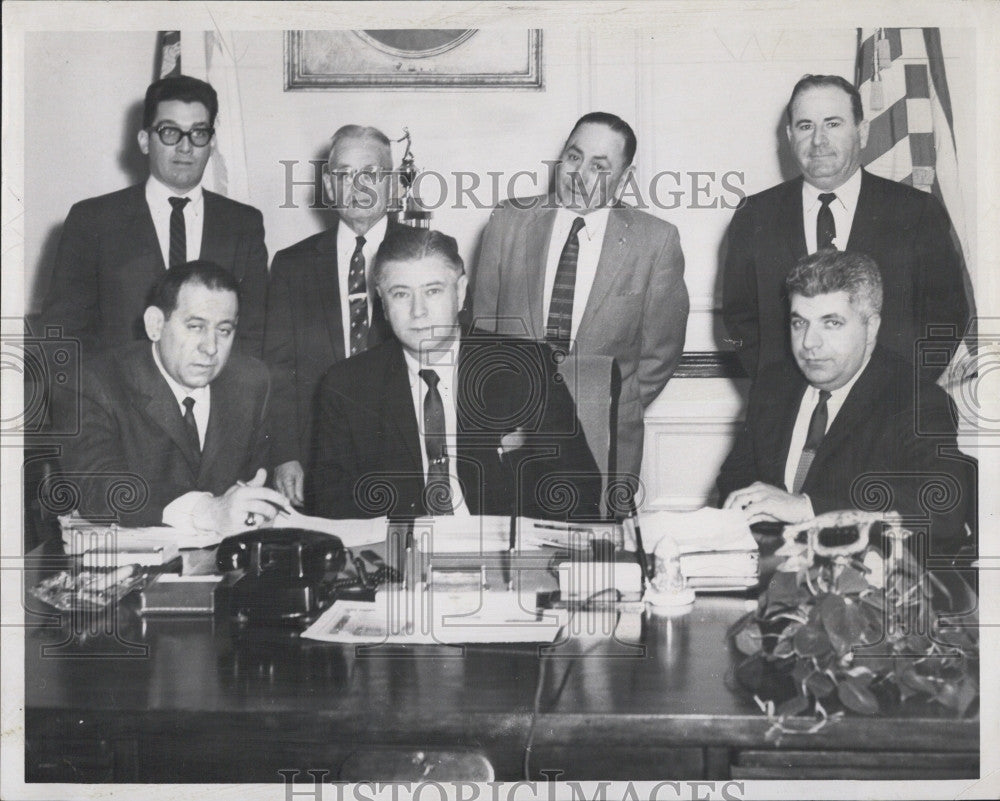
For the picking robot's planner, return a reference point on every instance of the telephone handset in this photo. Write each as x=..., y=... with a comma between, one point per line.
x=290, y=575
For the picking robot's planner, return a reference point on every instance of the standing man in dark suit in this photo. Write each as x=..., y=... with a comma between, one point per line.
x=181, y=419
x=849, y=425
x=114, y=247
x=440, y=421
x=322, y=307
x=835, y=203
x=578, y=267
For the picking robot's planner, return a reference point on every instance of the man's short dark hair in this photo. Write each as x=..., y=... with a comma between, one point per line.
x=831, y=270
x=816, y=81
x=208, y=274
x=407, y=244
x=616, y=124
x=183, y=88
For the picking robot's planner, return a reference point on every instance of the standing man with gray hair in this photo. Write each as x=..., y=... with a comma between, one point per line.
x=835, y=203
x=322, y=306
x=847, y=422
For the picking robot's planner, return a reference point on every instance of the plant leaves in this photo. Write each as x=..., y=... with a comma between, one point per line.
x=795, y=705
x=783, y=648
x=820, y=685
x=811, y=641
x=783, y=590
x=908, y=675
x=803, y=667
x=856, y=697
x=749, y=639
x=851, y=581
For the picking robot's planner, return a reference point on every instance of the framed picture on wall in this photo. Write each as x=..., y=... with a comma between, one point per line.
x=412, y=58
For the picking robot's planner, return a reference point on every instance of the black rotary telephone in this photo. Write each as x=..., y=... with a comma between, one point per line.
x=290, y=575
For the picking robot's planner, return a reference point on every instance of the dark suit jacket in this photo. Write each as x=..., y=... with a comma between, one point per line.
x=908, y=234
x=892, y=446
x=304, y=335
x=109, y=258
x=131, y=426
x=368, y=461
x=636, y=312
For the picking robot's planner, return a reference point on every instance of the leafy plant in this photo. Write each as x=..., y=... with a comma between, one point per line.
x=840, y=628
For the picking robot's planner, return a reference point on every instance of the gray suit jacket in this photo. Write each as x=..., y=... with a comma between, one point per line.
x=636, y=312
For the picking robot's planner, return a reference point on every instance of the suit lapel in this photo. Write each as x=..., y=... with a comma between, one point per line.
x=326, y=280
x=139, y=228
x=224, y=425
x=776, y=439
x=614, y=252
x=866, y=227
x=791, y=212
x=537, y=242
x=398, y=409
x=161, y=407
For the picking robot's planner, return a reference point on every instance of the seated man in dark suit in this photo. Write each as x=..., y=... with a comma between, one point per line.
x=441, y=421
x=177, y=424
x=114, y=247
x=851, y=427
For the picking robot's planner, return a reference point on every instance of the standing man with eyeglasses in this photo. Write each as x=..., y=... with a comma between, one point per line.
x=114, y=248
x=322, y=306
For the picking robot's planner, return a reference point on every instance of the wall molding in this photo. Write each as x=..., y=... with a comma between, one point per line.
x=709, y=364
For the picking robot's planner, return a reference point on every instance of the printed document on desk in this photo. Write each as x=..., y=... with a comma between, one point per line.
x=425, y=617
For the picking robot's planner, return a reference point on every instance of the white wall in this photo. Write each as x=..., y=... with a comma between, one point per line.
x=708, y=100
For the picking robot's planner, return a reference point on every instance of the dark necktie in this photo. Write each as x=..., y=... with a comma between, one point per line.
x=357, y=293
x=438, y=490
x=817, y=430
x=190, y=426
x=826, y=229
x=560, y=322
x=178, y=233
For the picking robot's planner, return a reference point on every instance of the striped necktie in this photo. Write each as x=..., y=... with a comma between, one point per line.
x=560, y=322
x=357, y=293
x=437, y=491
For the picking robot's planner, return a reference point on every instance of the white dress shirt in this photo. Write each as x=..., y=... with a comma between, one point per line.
x=843, y=208
x=801, y=430
x=178, y=512
x=591, y=239
x=346, y=242
x=445, y=364
x=158, y=199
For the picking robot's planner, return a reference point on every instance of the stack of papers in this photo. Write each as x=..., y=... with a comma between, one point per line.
x=454, y=534
x=718, y=551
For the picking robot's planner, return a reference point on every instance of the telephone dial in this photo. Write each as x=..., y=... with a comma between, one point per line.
x=288, y=576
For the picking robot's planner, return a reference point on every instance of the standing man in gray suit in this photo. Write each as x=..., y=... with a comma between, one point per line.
x=577, y=267
x=322, y=306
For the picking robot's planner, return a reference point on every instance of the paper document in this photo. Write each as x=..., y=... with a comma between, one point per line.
x=421, y=616
x=351, y=532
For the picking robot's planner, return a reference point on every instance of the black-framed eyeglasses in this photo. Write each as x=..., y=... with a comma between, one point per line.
x=171, y=135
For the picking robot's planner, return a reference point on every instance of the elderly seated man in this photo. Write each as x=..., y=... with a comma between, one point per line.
x=851, y=426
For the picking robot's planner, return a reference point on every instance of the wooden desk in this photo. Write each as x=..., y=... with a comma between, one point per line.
x=182, y=700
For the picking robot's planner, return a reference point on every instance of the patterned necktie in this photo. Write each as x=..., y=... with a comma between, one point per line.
x=178, y=233
x=357, y=293
x=190, y=426
x=560, y=323
x=826, y=229
x=438, y=490
x=817, y=430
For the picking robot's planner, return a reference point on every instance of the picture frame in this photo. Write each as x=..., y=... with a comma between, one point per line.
x=412, y=58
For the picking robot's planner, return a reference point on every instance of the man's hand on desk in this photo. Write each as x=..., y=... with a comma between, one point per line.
x=243, y=506
x=289, y=480
x=765, y=503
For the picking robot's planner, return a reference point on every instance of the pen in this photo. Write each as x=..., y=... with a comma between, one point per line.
x=640, y=553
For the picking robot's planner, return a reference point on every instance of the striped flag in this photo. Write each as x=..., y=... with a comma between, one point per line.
x=210, y=55
x=904, y=92
x=168, y=54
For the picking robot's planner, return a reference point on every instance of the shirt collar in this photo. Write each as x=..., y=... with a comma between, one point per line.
x=373, y=236
x=838, y=396
x=159, y=193
x=180, y=392
x=436, y=359
x=847, y=193
x=594, y=223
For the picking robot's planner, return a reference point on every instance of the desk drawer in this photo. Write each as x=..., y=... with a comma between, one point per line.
x=888, y=765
